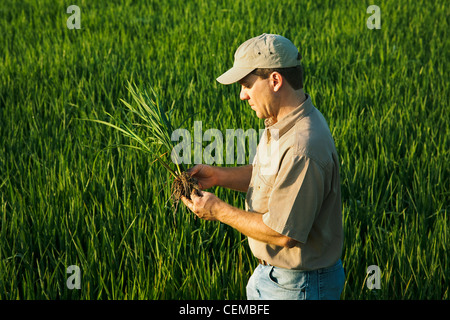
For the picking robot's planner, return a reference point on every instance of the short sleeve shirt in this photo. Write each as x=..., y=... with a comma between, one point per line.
x=295, y=185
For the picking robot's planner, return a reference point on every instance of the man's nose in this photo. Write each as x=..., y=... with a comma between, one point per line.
x=243, y=95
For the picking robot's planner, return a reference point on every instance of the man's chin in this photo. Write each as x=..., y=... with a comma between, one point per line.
x=259, y=115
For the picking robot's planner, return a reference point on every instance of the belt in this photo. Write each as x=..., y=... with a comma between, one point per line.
x=264, y=263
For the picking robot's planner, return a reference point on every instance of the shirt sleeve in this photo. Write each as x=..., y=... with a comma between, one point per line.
x=296, y=197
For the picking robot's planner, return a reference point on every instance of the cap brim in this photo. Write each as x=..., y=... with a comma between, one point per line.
x=233, y=75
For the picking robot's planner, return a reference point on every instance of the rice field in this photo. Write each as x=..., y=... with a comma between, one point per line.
x=71, y=193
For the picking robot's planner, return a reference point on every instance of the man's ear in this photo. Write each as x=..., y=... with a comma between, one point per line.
x=276, y=80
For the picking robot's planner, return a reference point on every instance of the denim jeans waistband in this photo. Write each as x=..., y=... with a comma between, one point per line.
x=333, y=267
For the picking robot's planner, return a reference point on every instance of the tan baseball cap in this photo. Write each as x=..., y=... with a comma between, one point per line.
x=264, y=51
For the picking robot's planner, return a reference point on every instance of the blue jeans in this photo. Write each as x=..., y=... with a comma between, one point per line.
x=273, y=283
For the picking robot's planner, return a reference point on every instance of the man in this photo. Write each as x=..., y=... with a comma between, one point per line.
x=293, y=214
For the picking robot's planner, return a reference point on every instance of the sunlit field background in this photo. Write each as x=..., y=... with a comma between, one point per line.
x=69, y=197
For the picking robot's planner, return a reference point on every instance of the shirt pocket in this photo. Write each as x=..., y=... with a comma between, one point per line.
x=260, y=188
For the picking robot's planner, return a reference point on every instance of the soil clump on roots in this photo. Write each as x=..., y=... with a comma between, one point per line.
x=183, y=185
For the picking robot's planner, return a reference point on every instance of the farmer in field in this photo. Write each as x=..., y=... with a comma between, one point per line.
x=293, y=214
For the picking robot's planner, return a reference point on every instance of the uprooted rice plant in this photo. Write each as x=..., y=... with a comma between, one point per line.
x=155, y=138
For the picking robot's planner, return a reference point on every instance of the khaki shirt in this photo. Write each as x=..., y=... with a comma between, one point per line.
x=295, y=184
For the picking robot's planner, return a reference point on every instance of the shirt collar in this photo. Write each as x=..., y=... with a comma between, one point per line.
x=278, y=129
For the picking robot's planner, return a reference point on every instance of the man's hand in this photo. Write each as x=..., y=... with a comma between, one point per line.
x=208, y=207
x=204, y=205
x=204, y=174
x=235, y=178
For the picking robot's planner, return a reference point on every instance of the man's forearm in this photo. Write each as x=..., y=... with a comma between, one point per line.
x=236, y=178
x=251, y=225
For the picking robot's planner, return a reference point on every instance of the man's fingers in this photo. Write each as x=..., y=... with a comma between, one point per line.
x=188, y=203
x=196, y=193
x=192, y=171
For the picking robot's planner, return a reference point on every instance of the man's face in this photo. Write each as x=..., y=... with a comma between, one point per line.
x=258, y=93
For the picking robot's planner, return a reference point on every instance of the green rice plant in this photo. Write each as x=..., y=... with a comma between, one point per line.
x=157, y=135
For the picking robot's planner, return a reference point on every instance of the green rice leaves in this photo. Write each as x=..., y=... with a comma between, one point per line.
x=151, y=114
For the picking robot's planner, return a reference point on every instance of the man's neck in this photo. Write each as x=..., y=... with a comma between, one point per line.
x=292, y=101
